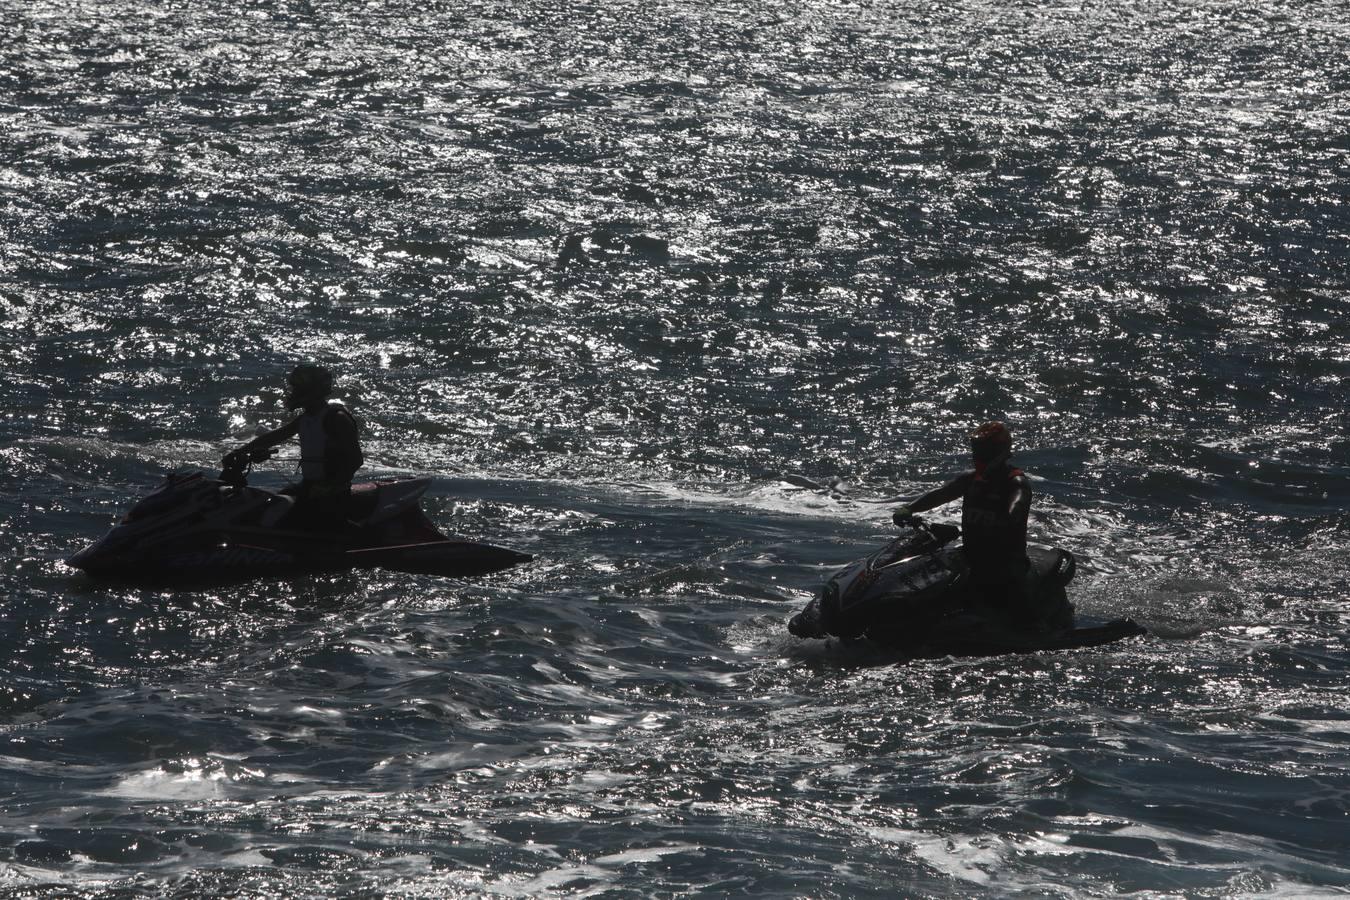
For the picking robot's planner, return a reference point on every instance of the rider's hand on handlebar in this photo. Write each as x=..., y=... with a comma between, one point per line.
x=242, y=456
x=904, y=517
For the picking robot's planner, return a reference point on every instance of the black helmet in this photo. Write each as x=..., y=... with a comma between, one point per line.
x=308, y=382
x=990, y=441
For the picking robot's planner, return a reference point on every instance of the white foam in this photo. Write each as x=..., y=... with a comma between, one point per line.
x=644, y=854
x=159, y=784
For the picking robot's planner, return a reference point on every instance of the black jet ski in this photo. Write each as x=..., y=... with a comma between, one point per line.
x=910, y=596
x=193, y=525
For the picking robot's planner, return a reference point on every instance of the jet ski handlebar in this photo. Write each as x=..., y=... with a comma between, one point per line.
x=235, y=466
x=935, y=531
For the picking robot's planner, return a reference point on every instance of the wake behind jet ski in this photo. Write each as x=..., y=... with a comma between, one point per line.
x=914, y=596
x=195, y=526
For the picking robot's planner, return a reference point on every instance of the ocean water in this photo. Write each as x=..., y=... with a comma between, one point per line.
x=624, y=278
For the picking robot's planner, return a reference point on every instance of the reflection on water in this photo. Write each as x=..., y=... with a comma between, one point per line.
x=662, y=294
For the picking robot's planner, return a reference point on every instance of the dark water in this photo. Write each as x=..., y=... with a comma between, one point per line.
x=611, y=272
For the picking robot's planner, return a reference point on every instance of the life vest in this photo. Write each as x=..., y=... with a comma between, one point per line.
x=989, y=533
x=322, y=458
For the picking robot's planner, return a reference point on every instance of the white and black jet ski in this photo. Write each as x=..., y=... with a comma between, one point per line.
x=910, y=596
x=193, y=525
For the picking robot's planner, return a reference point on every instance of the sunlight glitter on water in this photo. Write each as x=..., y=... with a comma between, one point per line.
x=662, y=295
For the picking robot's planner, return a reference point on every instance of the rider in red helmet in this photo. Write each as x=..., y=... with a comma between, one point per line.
x=995, y=500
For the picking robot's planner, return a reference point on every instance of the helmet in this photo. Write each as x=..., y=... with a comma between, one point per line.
x=308, y=382
x=990, y=441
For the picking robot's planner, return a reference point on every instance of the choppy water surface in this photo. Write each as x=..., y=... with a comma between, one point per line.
x=611, y=271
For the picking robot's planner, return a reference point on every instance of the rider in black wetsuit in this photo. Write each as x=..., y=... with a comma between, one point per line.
x=995, y=500
x=330, y=452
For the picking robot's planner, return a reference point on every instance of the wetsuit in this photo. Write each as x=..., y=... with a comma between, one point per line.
x=995, y=502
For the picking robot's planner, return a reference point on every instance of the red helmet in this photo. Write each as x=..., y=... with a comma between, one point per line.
x=990, y=441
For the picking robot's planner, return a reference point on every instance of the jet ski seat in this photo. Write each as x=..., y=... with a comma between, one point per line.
x=277, y=508
x=363, y=500
x=1051, y=564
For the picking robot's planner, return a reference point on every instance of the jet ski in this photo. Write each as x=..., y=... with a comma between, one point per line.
x=911, y=597
x=193, y=525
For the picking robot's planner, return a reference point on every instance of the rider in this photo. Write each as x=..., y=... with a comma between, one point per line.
x=329, y=450
x=995, y=499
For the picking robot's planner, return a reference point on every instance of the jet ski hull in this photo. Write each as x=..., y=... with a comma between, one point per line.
x=449, y=558
x=197, y=527
x=911, y=597
x=986, y=639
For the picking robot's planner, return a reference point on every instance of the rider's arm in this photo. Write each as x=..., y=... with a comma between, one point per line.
x=952, y=490
x=1019, y=500
x=274, y=437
